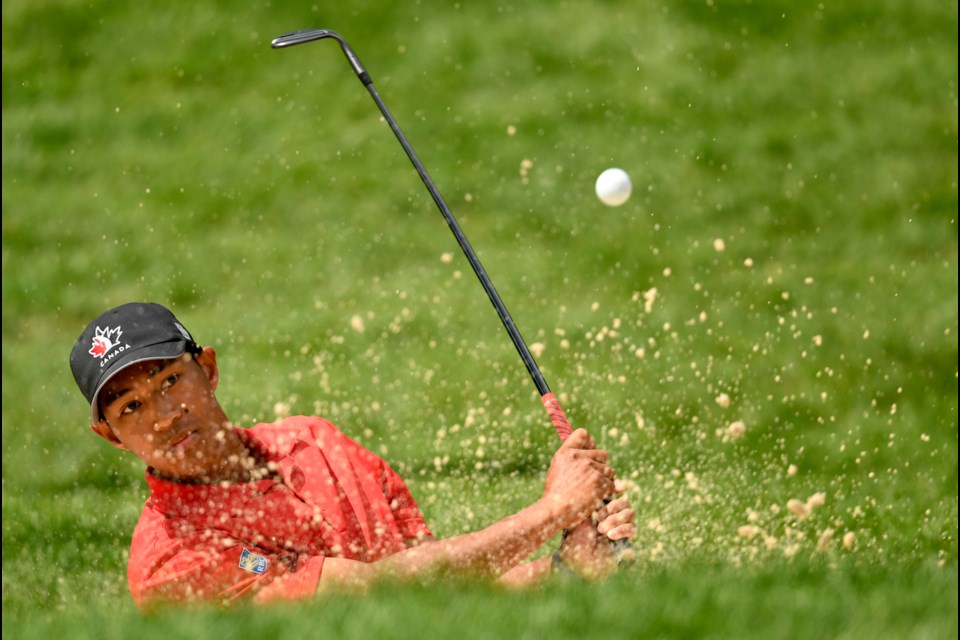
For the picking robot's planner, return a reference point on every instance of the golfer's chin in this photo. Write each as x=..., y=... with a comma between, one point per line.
x=196, y=456
x=178, y=467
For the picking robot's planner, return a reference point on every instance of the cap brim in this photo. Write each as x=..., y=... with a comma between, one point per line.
x=161, y=351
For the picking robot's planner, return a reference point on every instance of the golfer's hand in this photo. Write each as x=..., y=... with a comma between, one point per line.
x=579, y=478
x=615, y=520
x=586, y=548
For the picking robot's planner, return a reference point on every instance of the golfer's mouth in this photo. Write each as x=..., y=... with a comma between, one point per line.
x=182, y=441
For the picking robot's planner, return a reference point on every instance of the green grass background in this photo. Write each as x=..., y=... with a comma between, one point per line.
x=162, y=151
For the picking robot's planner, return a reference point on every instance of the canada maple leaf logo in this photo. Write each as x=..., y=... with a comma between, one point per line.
x=104, y=340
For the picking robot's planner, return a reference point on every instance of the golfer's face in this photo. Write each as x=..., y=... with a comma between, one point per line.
x=164, y=411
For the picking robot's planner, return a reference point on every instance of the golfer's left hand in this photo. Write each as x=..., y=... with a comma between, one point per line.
x=615, y=520
x=586, y=548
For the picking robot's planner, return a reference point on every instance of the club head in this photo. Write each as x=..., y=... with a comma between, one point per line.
x=309, y=35
x=302, y=36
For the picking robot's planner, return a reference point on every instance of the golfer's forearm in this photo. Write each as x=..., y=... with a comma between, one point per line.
x=489, y=552
x=527, y=574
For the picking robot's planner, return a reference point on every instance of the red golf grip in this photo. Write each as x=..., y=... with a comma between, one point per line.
x=622, y=548
x=557, y=416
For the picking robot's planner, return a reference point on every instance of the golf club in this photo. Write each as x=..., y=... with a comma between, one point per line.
x=622, y=548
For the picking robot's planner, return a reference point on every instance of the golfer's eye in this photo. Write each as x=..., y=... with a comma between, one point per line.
x=170, y=380
x=130, y=407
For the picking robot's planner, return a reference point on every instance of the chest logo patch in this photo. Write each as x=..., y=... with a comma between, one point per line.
x=252, y=562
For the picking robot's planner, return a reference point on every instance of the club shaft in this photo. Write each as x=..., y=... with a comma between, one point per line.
x=309, y=35
x=467, y=249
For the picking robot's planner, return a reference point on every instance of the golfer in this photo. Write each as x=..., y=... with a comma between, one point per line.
x=289, y=509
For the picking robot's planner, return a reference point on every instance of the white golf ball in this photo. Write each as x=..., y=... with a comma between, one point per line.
x=613, y=187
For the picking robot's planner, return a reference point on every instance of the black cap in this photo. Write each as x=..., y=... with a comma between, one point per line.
x=120, y=337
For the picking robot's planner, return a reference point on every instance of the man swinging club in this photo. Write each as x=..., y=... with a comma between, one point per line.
x=292, y=508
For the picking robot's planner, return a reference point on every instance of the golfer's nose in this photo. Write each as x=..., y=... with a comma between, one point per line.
x=168, y=412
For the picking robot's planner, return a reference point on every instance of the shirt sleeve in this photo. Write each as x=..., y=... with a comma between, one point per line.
x=397, y=497
x=405, y=510
x=172, y=561
x=295, y=585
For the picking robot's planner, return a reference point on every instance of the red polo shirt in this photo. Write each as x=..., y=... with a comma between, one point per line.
x=268, y=538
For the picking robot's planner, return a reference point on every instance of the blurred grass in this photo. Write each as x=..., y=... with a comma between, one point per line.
x=162, y=151
x=816, y=601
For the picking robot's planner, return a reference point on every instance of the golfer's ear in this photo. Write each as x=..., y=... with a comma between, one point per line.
x=207, y=359
x=102, y=429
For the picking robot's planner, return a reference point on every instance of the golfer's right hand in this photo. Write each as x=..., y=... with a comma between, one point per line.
x=579, y=478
